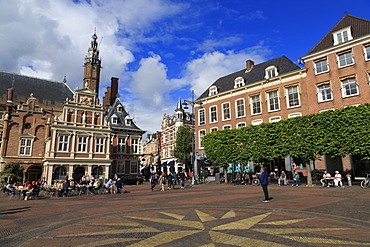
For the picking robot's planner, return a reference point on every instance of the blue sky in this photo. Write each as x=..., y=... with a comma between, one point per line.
x=160, y=49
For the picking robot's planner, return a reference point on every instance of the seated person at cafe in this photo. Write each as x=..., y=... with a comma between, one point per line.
x=338, y=179
x=11, y=186
x=296, y=178
x=65, y=188
x=119, y=185
x=109, y=185
x=325, y=181
x=282, y=179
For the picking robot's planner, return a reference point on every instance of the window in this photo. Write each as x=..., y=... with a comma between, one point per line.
x=213, y=114
x=60, y=173
x=213, y=90
x=240, y=112
x=239, y=82
x=97, y=172
x=342, y=36
x=227, y=127
x=257, y=122
x=63, y=143
x=120, y=166
x=273, y=101
x=99, y=145
x=321, y=66
x=120, y=108
x=367, y=52
x=133, y=167
x=349, y=87
x=114, y=120
x=293, y=96
x=25, y=146
x=240, y=125
x=256, y=104
x=134, y=146
x=82, y=144
x=270, y=72
x=274, y=119
x=202, y=117
x=293, y=115
x=213, y=129
x=324, y=92
x=226, y=111
x=345, y=59
x=121, y=145
x=202, y=133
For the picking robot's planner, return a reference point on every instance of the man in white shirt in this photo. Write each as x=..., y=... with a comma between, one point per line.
x=325, y=179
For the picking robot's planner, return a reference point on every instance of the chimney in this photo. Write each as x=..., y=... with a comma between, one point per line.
x=114, y=91
x=249, y=65
x=10, y=95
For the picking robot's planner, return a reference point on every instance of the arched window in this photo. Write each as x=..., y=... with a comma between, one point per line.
x=97, y=172
x=60, y=173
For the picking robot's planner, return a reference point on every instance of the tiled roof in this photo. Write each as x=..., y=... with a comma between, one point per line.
x=257, y=73
x=42, y=89
x=360, y=27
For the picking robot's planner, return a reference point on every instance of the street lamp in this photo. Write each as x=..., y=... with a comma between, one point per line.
x=192, y=156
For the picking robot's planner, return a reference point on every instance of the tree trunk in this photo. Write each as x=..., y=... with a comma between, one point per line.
x=309, y=177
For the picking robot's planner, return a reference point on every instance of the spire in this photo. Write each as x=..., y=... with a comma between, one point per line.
x=92, y=66
x=179, y=105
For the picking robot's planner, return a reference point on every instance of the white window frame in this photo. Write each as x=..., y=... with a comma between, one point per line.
x=202, y=134
x=274, y=119
x=121, y=145
x=342, y=36
x=120, y=108
x=239, y=82
x=324, y=93
x=114, y=120
x=226, y=127
x=213, y=129
x=25, y=146
x=347, y=86
x=320, y=66
x=240, y=109
x=227, y=109
x=295, y=114
x=271, y=106
x=82, y=144
x=271, y=72
x=134, y=169
x=257, y=122
x=202, y=117
x=367, y=52
x=256, y=103
x=213, y=114
x=99, y=144
x=290, y=101
x=120, y=166
x=345, y=59
x=63, y=143
x=331, y=109
x=213, y=90
x=135, y=145
x=241, y=125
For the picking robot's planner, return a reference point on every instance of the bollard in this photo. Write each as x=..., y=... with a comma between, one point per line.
x=349, y=179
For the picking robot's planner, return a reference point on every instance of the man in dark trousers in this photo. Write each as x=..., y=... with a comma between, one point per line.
x=264, y=182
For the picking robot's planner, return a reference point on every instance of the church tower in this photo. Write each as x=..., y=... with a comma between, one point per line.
x=92, y=66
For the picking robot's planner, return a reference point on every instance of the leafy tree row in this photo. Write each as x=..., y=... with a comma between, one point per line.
x=339, y=132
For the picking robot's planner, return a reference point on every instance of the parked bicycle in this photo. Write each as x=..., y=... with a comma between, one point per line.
x=256, y=180
x=366, y=182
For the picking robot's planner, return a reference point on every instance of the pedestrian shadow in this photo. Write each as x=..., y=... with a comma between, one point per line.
x=15, y=210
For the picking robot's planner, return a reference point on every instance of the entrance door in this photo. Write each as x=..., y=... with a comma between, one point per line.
x=78, y=174
x=34, y=173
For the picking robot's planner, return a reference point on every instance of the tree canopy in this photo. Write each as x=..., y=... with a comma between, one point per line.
x=183, y=144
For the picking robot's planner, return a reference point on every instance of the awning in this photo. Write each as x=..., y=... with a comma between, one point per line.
x=171, y=163
x=164, y=164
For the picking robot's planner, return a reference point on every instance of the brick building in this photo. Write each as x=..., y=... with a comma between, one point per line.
x=56, y=133
x=335, y=74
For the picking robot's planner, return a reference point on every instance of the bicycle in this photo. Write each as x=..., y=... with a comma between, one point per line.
x=256, y=180
x=366, y=182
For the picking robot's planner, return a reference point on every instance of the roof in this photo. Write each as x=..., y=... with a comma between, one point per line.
x=257, y=73
x=42, y=89
x=360, y=27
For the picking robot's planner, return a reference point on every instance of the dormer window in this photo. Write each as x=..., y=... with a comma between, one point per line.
x=128, y=122
x=271, y=71
x=342, y=36
x=114, y=119
x=120, y=108
x=239, y=82
x=213, y=90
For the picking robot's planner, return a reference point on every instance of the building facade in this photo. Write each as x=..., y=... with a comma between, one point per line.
x=335, y=74
x=56, y=133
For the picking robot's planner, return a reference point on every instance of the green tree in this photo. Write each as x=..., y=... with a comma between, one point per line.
x=183, y=144
x=13, y=169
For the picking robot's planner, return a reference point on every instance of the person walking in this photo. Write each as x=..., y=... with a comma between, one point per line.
x=264, y=183
x=153, y=180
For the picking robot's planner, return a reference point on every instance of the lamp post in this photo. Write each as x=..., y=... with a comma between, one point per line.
x=192, y=155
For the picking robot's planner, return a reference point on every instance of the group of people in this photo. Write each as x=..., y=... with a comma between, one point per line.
x=327, y=180
x=169, y=180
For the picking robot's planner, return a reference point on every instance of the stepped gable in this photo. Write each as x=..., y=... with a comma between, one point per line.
x=43, y=90
x=360, y=27
x=257, y=73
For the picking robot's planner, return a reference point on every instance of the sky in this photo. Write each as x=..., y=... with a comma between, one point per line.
x=160, y=50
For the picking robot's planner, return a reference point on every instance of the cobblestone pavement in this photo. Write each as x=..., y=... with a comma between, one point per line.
x=201, y=215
